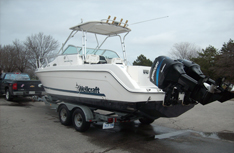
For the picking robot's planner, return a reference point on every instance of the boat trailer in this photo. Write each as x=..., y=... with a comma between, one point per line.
x=82, y=116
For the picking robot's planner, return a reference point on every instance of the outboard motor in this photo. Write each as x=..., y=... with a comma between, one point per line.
x=165, y=72
x=175, y=76
x=193, y=70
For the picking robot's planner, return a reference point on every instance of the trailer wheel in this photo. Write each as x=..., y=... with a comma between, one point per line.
x=79, y=121
x=8, y=95
x=64, y=115
x=145, y=120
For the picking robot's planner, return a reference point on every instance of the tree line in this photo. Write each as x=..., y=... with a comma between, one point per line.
x=213, y=62
x=25, y=56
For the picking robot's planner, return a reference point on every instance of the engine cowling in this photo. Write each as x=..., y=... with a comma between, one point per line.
x=165, y=72
x=175, y=76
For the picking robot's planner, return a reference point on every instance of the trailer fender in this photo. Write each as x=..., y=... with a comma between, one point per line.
x=87, y=111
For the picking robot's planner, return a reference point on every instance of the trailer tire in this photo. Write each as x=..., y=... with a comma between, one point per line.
x=8, y=95
x=64, y=115
x=145, y=120
x=79, y=121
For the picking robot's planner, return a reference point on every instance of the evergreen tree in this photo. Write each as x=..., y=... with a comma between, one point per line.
x=225, y=61
x=207, y=61
x=143, y=61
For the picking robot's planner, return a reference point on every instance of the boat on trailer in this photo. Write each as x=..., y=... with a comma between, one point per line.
x=99, y=78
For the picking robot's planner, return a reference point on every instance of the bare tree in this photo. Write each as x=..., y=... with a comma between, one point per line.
x=40, y=46
x=22, y=60
x=184, y=50
x=1, y=59
x=7, y=58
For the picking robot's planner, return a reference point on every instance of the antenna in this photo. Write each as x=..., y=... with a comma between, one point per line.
x=149, y=20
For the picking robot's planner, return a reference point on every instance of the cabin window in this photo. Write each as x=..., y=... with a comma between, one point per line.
x=94, y=51
x=71, y=50
x=110, y=54
x=99, y=52
x=78, y=50
x=89, y=51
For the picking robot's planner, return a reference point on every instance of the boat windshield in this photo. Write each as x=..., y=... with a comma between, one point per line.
x=103, y=52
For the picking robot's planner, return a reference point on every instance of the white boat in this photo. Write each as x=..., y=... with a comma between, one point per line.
x=99, y=78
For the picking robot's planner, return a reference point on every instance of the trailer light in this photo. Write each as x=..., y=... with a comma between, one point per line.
x=110, y=120
x=14, y=87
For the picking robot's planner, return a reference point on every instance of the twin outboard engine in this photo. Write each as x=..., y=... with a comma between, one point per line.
x=183, y=76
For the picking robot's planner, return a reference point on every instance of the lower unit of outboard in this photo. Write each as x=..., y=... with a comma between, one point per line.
x=183, y=76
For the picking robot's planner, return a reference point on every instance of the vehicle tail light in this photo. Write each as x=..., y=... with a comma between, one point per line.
x=110, y=120
x=14, y=87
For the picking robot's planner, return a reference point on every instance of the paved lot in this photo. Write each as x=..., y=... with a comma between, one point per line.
x=27, y=126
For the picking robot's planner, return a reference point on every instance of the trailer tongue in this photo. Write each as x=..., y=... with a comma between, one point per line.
x=176, y=76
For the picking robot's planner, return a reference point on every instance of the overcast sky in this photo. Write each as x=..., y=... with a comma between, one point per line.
x=200, y=22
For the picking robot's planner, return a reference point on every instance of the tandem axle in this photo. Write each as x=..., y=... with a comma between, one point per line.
x=82, y=116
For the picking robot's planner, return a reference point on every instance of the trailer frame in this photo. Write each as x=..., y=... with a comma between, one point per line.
x=82, y=116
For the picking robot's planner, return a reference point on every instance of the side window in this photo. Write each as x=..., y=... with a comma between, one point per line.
x=9, y=77
x=89, y=51
x=71, y=50
x=22, y=77
x=94, y=51
x=2, y=76
x=110, y=54
x=99, y=52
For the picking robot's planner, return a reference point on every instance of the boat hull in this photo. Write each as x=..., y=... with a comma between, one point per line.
x=152, y=109
x=104, y=89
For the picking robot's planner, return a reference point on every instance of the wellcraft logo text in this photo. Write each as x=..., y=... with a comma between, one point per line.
x=86, y=89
